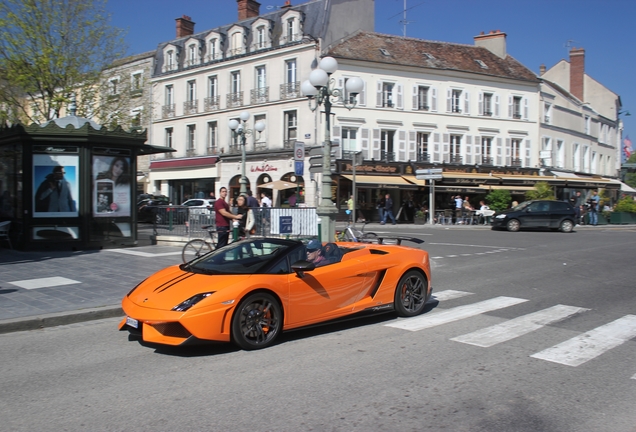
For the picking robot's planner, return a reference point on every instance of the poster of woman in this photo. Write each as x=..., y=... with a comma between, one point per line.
x=112, y=183
x=55, y=186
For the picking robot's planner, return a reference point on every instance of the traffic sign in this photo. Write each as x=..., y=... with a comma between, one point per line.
x=429, y=177
x=429, y=174
x=299, y=151
x=300, y=167
x=315, y=151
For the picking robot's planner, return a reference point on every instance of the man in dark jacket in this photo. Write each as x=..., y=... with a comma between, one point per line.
x=388, y=209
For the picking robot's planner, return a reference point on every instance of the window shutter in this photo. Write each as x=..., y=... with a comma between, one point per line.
x=400, y=96
x=436, y=148
x=335, y=138
x=376, y=144
x=448, y=101
x=412, y=143
x=508, y=152
x=401, y=146
x=481, y=104
x=496, y=105
x=525, y=108
x=469, y=149
x=478, y=150
x=415, y=97
x=527, y=151
x=434, y=99
x=362, y=97
x=446, y=147
x=509, y=106
x=499, y=152
x=466, y=103
x=364, y=143
x=378, y=102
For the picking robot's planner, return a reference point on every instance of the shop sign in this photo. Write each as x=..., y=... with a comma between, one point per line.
x=263, y=168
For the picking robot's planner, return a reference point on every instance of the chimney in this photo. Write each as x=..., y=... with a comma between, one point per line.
x=495, y=42
x=185, y=26
x=287, y=4
x=577, y=72
x=541, y=70
x=248, y=9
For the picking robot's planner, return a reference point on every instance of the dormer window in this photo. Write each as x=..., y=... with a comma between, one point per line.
x=169, y=59
x=260, y=35
x=291, y=27
x=237, y=40
x=213, y=47
x=192, y=54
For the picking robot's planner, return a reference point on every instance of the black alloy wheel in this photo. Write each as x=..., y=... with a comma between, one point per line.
x=257, y=321
x=411, y=294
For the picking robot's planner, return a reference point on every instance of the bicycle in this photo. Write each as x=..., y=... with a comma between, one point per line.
x=199, y=247
x=352, y=234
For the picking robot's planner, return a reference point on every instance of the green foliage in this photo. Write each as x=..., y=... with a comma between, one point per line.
x=52, y=49
x=632, y=158
x=630, y=178
x=420, y=214
x=499, y=199
x=542, y=190
x=626, y=204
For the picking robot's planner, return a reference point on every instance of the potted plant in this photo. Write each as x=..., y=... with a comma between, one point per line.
x=624, y=212
x=420, y=217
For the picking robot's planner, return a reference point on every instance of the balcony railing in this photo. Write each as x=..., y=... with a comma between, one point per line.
x=387, y=156
x=423, y=107
x=290, y=38
x=211, y=150
x=423, y=157
x=236, y=51
x=486, y=160
x=488, y=113
x=191, y=106
x=290, y=90
x=260, y=95
x=289, y=144
x=235, y=100
x=191, y=152
x=516, y=162
x=516, y=115
x=136, y=93
x=454, y=158
x=211, y=103
x=260, y=146
x=387, y=104
x=167, y=111
x=260, y=45
x=234, y=149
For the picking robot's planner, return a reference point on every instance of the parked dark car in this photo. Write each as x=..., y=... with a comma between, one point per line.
x=537, y=214
x=147, y=208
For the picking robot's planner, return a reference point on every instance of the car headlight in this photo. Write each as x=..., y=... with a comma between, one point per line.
x=187, y=304
x=501, y=216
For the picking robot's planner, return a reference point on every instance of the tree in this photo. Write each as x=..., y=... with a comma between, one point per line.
x=499, y=199
x=542, y=190
x=51, y=50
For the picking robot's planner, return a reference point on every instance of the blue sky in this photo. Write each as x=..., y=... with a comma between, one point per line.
x=539, y=31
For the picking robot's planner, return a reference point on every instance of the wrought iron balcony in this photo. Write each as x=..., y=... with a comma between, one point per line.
x=234, y=149
x=191, y=152
x=260, y=95
x=290, y=90
x=486, y=160
x=516, y=162
x=260, y=146
x=423, y=107
x=423, y=157
x=167, y=111
x=387, y=156
x=235, y=100
x=211, y=150
x=191, y=106
x=211, y=103
x=454, y=159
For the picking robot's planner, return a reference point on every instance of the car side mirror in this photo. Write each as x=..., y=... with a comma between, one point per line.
x=301, y=266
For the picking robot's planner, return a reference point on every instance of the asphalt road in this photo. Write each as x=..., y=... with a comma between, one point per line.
x=531, y=331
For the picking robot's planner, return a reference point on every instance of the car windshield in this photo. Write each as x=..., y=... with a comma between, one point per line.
x=522, y=205
x=243, y=257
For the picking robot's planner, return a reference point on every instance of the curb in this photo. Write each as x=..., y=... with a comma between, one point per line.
x=59, y=318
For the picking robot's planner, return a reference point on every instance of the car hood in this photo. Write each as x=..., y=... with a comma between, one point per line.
x=171, y=286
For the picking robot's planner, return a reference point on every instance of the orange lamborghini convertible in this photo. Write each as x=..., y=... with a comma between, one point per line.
x=250, y=291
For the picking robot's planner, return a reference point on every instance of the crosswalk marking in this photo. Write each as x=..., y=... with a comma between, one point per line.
x=449, y=295
x=587, y=346
x=518, y=326
x=455, y=314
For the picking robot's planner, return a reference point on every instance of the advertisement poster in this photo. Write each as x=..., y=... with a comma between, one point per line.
x=111, y=186
x=56, y=189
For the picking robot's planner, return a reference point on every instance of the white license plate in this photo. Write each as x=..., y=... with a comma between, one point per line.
x=132, y=322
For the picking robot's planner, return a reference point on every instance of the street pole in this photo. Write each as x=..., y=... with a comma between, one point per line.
x=241, y=130
x=243, y=181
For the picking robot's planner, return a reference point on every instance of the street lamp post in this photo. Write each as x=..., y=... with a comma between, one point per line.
x=322, y=88
x=240, y=129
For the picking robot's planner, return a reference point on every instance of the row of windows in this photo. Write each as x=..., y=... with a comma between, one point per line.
x=214, y=46
x=580, y=158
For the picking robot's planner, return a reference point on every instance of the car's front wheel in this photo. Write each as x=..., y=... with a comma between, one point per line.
x=257, y=321
x=566, y=226
x=411, y=294
x=513, y=225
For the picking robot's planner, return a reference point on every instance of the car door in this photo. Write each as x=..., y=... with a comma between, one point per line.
x=325, y=293
x=558, y=211
x=535, y=215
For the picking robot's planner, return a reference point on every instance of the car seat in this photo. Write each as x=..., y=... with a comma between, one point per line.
x=331, y=253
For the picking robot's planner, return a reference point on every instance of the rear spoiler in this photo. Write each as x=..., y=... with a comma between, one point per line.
x=399, y=240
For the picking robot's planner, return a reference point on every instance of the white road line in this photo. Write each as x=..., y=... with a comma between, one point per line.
x=143, y=254
x=440, y=317
x=450, y=294
x=634, y=377
x=578, y=350
x=44, y=282
x=516, y=327
x=473, y=245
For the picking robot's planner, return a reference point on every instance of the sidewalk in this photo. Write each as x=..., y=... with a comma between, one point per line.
x=44, y=289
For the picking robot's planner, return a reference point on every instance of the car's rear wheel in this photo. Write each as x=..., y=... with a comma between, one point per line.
x=411, y=294
x=257, y=321
x=566, y=226
x=194, y=249
x=513, y=225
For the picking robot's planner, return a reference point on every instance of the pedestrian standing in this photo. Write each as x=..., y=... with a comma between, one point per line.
x=388, y=209
x=594, y=202
x=223, y=217
x=380, y=206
